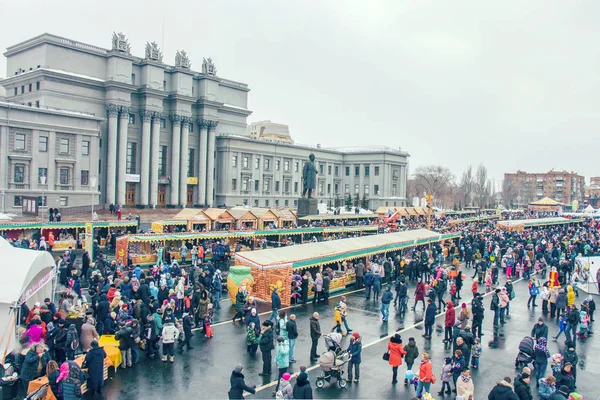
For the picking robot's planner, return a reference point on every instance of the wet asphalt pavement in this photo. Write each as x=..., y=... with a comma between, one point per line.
x=204, y=372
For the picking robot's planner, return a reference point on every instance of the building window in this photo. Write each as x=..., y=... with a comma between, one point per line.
x=42, y=201
x=347, y=171
x=130, y=163
x=395, y=174
x=276, y=203
x=329, y=188
x=329, y=170
x=44, y=143
x=356, y=189
x=85, y=177
x=346, y=189
x=367, y=170
x=133, y=79
x=256, y=186
x=321, y=188
x=131, y=119
x=337, y=170
x=19, y=141
x=163, y=123
x=18, y=201
x=336, y=188
x=244, y=184
x=376, y=171
x=191, y=127
x=99, y=166
x=376, y=190
x=64, y=201
x=30, y=87
x=296, y=166
x=366, y=189
x=268, y=164
x=256, y=163
x=37, y=103
x=286, y=166
x=255, y=202
x=64, y=176
x=321, y=169
x=19, y=173
x=165, y=86
x=162, y=161
x=234, y=184
x=16, y=93
x=23, y=89
x=266, y=203
x=277, y=165
x=64, y=146
x=356, y=171
x=85, y=147
x=245, y=162
x=42, y=172
x=286, y=186
x=267, y=185
x=276, y=186
x=295, y=203
x=393, y=190
x=234, y=161
x=37, y=86
x=190, y=166
x=295, y=187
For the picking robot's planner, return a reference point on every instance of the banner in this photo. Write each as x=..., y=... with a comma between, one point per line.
x=27, y=294
x=122, y=249
x=89, y=239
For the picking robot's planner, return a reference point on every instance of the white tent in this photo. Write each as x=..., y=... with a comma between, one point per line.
x=586, y=269
x=589, y=209
x=27, y=276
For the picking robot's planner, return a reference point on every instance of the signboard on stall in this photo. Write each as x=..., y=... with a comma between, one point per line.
x=122, y=249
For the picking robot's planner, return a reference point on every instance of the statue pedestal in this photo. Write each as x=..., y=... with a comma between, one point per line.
x=307, y=207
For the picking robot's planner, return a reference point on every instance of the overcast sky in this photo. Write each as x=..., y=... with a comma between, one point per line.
x=512, y=84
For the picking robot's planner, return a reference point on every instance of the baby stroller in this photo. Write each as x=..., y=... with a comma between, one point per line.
x=333, y=341
x=332, y=367
x=525, y=355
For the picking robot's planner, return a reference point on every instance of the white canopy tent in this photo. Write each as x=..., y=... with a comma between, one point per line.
x=27, y=276
x=586, y=269
x=589, y=210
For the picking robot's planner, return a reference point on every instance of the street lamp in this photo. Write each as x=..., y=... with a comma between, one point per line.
x=93, y=181
x=43, y=183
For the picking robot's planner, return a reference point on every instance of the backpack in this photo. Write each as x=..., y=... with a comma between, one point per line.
x=279, y=395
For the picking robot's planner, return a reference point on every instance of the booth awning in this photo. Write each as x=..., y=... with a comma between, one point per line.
x=329, y=217
x=518, y=224
x=546, y=201
x=311, y=254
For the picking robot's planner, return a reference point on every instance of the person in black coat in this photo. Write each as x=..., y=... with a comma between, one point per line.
x=266, y=347
x=238, y=384
x=37, y=355
x=102, y=311
x=187, y=332
x=503, y=391
x=522, y=388
x=565, y=377
x=94, y=361
x=302, y=389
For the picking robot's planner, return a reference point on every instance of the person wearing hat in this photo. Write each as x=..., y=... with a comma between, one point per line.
x=94, y=360
x=386, y=299
x=266, y=346
x=503, y=390
x=355, y=350
x=522, y=388
x=238, y=384
x=540, y=330
x=562, y=393
x=286, y=391
x=60, y=342
x=315, y=334
x=282, y=358
x=275, y=304
x=302, y=389
x=495, y=307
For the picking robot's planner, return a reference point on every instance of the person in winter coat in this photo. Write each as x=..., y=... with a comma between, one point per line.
x=282, y=358
x=368, y=284
x=570, y=296
x=34, y=364
x=426, y=377
x=302, y=389
x=561, y=394
x=478, y=314
x=386, y=299
x=253, y=317
x=561, y=304
x=292, y=331
x=449, y=321
x=412, y=353
x=429, y=319
x=419, y=294
x=125, y=339
x=573, y=318
x=570, y=356
x=266, y=346
x=446, y=376
x=238, y=384
x=70, y=379
x=88, y=334
x=464, y=316
x=240, y=299
x=52, y=372
x=533, y=293
x=396, y=352
x=170, y=333
x=503, y=391
x=252, y=339
x=540, y=359
x=151, y=332
x=565, y=377
x=522, y=388
x=286, y=391
x=458, y=363
x=72, y=342
x=94, y=361
x=317, y=288
x=187, y=332
x=275, y=304
x=540, y=330
x=464, y=384
x=315, y=334
x=355, y=350
x=376, y=286
x=547, y=387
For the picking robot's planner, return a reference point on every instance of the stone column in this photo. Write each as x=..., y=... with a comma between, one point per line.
x=202, y=150
x=210, y=164
x=154, y=152
x=112, y=112
x=146, y=161
x=183, y=165
x=175, y=153
x=122, y=163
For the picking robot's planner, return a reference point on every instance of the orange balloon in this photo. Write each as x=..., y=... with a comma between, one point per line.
x=426, y=287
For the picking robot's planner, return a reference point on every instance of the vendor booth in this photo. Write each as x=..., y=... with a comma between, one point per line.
x=245, y=220
x=287, y=217
x=520, y=224
x=168, y=226
x=65, y=234
x=221, y=219
x=546, y=205
x=267, y=219
x=260, y=271
x=196, y=219
x=102, y=229
x=586, y=269
x=32, y=281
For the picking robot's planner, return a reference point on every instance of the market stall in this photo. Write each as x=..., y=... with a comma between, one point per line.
x=545, y=205
x=267, y=219
x=101, y=229
x=473, y=219
x=244, y=219
x=264, y=269
x=287, y=217
x=169, y=226
x=196, y=220
x=521, y=224
x=221, y=219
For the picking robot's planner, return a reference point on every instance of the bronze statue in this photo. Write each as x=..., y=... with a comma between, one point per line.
x=309, y=176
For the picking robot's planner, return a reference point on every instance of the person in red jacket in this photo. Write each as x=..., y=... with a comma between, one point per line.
x=449, y=322
x=426, y=377
x=419, y=294
x=396, y=352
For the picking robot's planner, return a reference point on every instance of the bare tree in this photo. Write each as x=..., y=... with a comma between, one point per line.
x=509, y=193
x=433, y=179
x=482, y=186
x=466, y=187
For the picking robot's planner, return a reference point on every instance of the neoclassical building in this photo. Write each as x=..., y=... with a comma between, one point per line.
x=156, y=144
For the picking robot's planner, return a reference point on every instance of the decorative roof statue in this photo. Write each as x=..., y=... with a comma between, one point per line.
x=120, y=43
x=153, y=52
x=182, y=60
x=208, y=67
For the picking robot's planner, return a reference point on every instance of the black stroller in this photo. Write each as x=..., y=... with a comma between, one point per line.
x=525, y=355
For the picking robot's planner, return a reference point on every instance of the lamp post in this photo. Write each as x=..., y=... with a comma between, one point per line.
x=429, y=198
x=43, y=183
x=93, y=181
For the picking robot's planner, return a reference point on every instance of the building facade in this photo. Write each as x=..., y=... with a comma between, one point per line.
x=265, y=174
x=561, y=186
x=270, y=131
x=50, y=154
x=157, y=145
